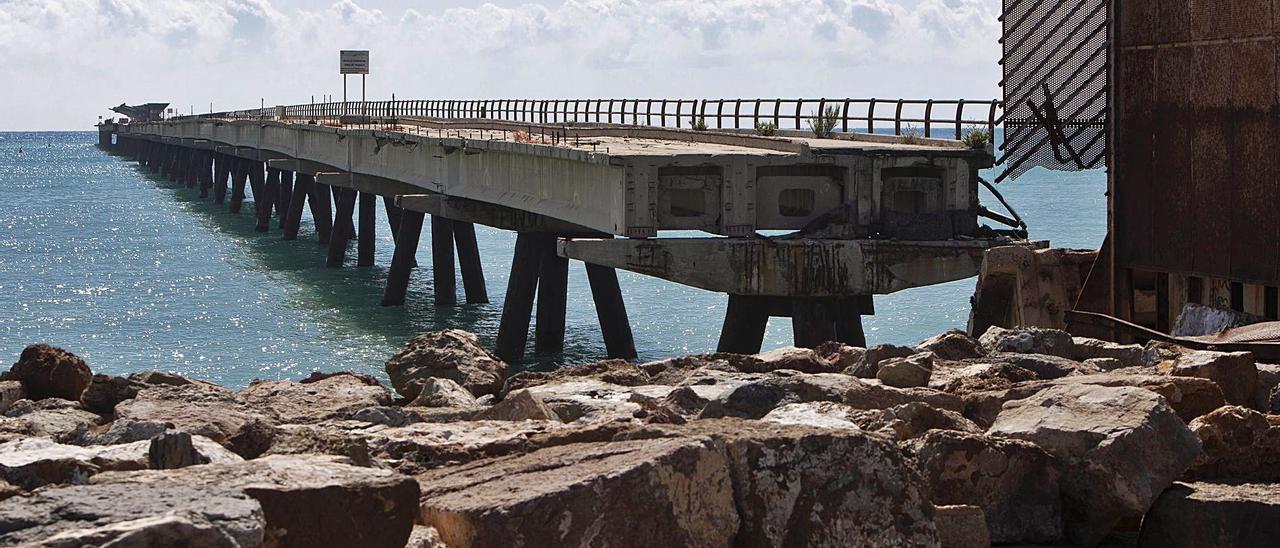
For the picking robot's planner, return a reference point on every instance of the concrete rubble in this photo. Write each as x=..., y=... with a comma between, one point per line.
x=1017, y=437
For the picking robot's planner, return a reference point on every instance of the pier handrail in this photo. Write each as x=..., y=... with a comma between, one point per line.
x=850, y=115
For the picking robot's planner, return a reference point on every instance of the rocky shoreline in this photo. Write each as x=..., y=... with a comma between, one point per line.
x=1024, y=436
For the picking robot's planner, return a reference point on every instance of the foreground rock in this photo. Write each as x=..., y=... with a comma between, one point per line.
x=452, y=354
x=56, y=419
x=1014, y=482
x=909, y=372
x=1029, y=340
x=49, y=372
x=1119, y=447
x=1190, y=397
x=664, y=492
x=35, y=462
x=306, y=500
x=1234, y=372
x=1211, y=515
x=290, y=402
x=1237, y=444
x=133, y=515
x=200, y=409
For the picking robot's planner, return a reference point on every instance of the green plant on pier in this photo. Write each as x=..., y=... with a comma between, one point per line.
x=824, y=124
x=766, y=129
x=976, y=137
x=911, y=135
x=700, y=124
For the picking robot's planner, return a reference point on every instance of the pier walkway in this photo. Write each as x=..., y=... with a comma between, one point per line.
x=851, y=214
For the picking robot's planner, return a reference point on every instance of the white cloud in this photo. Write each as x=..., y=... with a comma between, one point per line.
x=64, y=60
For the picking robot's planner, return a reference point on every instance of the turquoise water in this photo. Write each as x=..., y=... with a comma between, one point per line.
x=121, y=268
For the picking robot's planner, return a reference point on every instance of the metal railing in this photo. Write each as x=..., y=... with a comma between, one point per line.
x=931, y=118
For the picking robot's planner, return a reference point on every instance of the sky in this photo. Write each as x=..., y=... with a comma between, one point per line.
x=65, y=61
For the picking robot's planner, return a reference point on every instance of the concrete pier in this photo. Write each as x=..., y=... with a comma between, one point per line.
x=866, y=214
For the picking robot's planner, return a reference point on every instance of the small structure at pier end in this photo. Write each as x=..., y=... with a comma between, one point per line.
x=801, y=224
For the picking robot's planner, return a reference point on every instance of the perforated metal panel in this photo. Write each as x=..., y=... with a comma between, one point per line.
x=1055, y=85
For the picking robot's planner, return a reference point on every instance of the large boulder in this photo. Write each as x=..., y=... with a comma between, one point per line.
x=869, y=395
x=800, y=486
x=1028, y=340
x=756, y=399
x=909, y=372
x=1234, y=372
x=49, y=372
x=105, y=391
x=1119, y=447
x=10, y=393
x=841, y=356
x=453, y=354
x=953, y=345
x=1213, y=515
x=1190, y=397
x=56, y=419
x=1237, y=444
x=819, y=414
x=1014, y=482
x=804, y=360
x=519, y=406
x=442, y=392
x=913, y=419
x=289, y=402
x=133, y=515
x=655, y=492
x=1126, y=355
x=961, y=526
x=869, y=365
x=1044, y=366
x=1266, y=395
x=205, y=410
x=35, y=462
x=306, y=500
x=619, y=372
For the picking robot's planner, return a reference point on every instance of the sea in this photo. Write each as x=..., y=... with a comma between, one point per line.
x=130, y=272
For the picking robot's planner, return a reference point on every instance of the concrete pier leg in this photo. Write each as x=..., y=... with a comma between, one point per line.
x=812, y=323
x=517, y=309
x=297, y=201
x=347, y=224
x=365, y=246
x=175, y=163
x=286, y=194
x=402, y=261
x=192, y=173
x=239, y=173
x=221, y=170
x=205, y=175
x=553, y=296
x=444, y=278
x=464, y=236
x=849, y=326
x=744, y=325
x=338, y=240
x=318, y=197
x=394, y=212
x=611, y=311
x=266, y=194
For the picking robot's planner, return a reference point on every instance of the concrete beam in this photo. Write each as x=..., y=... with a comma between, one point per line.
x=365, y=183
x=300, y=166
x=788, y=268
x=505, y=218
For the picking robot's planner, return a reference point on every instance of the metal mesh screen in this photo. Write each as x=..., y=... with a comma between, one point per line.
x=1055, y=85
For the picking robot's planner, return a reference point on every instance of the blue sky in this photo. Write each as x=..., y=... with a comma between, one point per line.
x=66, y=60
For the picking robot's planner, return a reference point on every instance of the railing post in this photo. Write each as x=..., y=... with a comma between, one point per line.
x=777, y=113
x=897, y=119
x=846, y=116
x=959, y=117
x=799, y=105
x=871, y=116
x=991, y=120
x=928, y=117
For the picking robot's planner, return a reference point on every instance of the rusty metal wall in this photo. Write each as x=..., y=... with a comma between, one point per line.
x=1196, y=167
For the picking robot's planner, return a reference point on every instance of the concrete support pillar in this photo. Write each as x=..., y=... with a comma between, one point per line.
x=347, y=224
x=402, y=261
x=346, y=207
x=293, y=220
x=205, y=176
x=612, y=312
x=812, y=322
x=175, y=163
x=464, y=236
x=517, y=309
x=365, y=246
x=265, y=195
x=744, y=325
x=553, y=296
x=221, y=170
x=318, y=197
x=239, y=174
x=394, y=212
x=192, y=171
x=283, y=197
x=445, y=281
